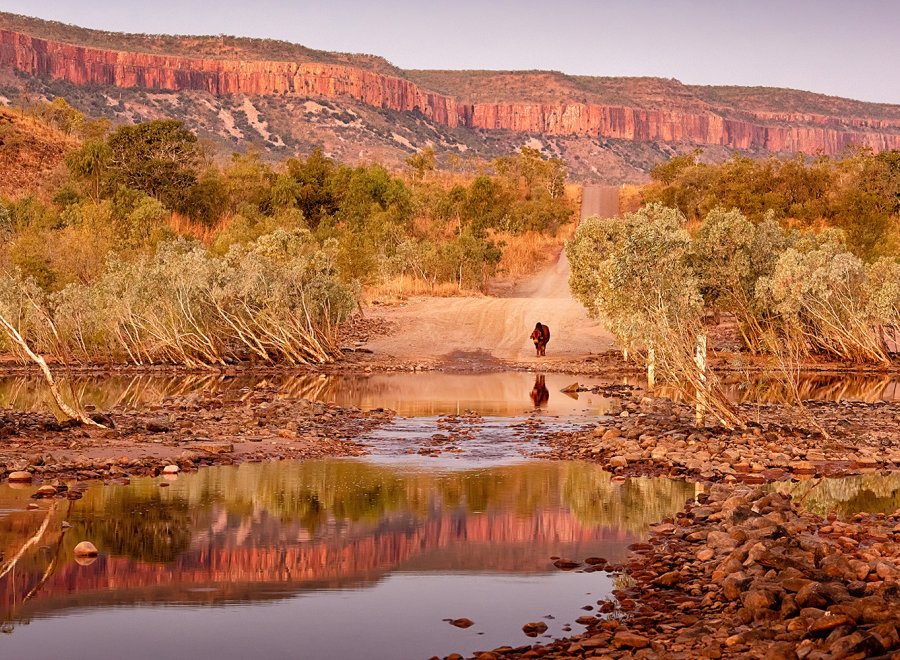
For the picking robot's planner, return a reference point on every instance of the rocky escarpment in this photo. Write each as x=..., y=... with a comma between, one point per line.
x=741, y=129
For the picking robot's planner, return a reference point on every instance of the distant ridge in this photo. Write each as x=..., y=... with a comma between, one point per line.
x=663, y=114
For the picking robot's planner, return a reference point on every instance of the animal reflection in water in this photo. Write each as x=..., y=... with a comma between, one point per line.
x=540, y=395
x=541, y=337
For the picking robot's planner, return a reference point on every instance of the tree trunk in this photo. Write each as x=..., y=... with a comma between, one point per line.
x=651, y=370
x=700, y=360
x=67, y=410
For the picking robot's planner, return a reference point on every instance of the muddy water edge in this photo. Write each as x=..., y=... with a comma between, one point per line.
x=432, y=444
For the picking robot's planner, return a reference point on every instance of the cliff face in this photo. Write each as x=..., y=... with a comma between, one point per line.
x=734, y=128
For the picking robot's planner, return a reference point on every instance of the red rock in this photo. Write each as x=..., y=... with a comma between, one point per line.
x=824, y=625
x=749, y=130
x=85, y=549
x=627, y=639
x=534, y=628
x=669, y=579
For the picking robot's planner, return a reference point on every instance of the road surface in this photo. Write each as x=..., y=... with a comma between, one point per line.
x=437, y=328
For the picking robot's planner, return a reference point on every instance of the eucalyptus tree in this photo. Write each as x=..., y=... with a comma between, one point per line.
x=636, y=274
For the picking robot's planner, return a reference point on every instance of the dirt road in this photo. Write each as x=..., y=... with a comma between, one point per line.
x=437, y=328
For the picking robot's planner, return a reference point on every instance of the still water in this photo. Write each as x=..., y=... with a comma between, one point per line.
x=354, y=557
x=325, y=559
x=427, y=393
x=846, y=496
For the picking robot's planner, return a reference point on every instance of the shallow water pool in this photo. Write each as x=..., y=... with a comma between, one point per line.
x=327, y=559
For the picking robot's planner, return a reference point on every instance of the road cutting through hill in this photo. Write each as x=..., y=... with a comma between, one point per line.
x=436, y=329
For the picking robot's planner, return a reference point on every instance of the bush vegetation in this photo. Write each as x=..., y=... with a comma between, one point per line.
x=794, y=293
x=148, y=251
x=858, y=193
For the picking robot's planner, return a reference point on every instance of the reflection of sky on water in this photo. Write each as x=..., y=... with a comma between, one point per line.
x=401, y=618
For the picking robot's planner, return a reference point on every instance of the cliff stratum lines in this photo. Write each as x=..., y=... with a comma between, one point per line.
x=543, y=104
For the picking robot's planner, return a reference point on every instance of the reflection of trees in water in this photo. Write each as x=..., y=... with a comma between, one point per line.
x=146, y=523
x=634, y=504
x=870, y=493
x=28, y=392
x=822, y=387
x=334, y=520
x=135, y=522
x=314, y=493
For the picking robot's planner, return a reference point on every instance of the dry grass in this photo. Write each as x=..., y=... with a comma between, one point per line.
x=528, y=253
x=184, y=226
x=30, y=151
x=630, y=198
x=401, y=288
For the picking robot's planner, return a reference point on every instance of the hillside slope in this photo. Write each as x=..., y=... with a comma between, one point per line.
x=30, y=150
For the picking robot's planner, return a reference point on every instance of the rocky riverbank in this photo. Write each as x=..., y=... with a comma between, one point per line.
x=744, y=573
x=656, y=436
x=190, y=431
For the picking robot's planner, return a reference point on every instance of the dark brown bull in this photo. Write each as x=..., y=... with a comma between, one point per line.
x=540, y=337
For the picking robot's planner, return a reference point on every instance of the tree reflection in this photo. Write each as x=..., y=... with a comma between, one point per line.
x=136, y=523
x=870, y=493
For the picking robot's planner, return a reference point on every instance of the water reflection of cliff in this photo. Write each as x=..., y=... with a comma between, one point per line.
x=269, y=530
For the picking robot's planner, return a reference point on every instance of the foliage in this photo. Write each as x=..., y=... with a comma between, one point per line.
x=159, y=158
x=62, y=116
x=824, y=300
x=633, y=271
x=275, y=300
x=104, y=246
x=730, y=255
x=637, y=275
x=858, y=193
x=789, y=290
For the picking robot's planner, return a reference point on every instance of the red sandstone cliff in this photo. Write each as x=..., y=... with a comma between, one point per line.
x=734, y=128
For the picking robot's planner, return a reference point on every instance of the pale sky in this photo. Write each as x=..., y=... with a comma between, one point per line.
x=840, y=47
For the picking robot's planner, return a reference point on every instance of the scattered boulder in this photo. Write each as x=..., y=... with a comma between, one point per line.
x=159, y=425
x=86, y=549
x=630, y=640
x=618, y=462
x=534, y=628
